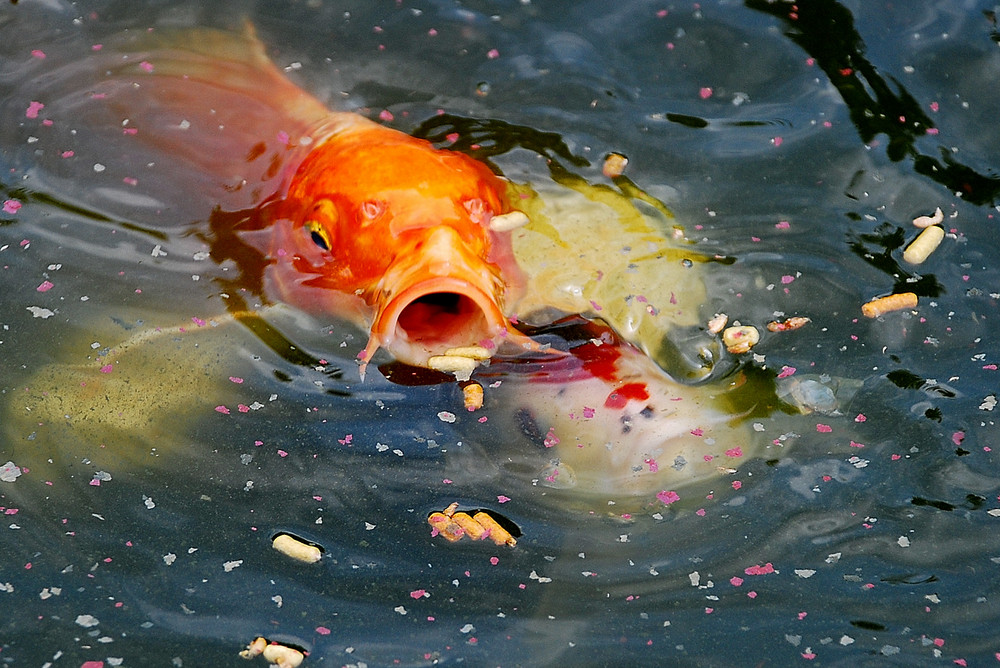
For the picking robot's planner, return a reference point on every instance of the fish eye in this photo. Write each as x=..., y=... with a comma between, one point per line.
x=319, y=234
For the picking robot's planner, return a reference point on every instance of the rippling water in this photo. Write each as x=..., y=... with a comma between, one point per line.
x=798, y=140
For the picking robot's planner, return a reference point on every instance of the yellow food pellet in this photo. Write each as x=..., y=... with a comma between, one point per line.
x=614, y=165
x=282, y=656
x=927, y=221
x=445, y=526
x=925, y=244
x=877, y=307
x=740, y=339
x=296, y=549
x=471, y=527
x=717, y=323
x=473, y=396
x=497, y=533
x=506, y=222
x=254, y=648
x=462, y=367
x=472, y=352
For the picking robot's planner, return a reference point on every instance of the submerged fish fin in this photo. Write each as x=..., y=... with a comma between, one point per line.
x=163, y=126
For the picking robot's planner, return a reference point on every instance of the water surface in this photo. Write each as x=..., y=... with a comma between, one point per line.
x=799, y=141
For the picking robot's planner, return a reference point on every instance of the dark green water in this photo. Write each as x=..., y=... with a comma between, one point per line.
x=800, y=141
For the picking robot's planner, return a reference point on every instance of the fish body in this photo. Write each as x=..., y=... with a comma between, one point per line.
x=360, y=222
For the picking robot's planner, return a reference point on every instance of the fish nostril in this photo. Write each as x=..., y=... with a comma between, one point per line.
x=476, y=208
x=372, y=209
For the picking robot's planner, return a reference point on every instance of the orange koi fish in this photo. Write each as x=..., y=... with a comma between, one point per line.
x=362, y=221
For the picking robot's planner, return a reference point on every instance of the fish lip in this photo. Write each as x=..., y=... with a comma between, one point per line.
x=431, y=316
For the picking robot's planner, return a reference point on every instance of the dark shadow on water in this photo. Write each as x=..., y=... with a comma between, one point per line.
x=877, y=104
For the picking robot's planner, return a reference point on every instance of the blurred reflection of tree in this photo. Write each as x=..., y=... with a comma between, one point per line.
x=825, y=30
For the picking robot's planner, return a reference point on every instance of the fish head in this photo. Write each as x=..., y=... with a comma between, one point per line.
x=402, y=229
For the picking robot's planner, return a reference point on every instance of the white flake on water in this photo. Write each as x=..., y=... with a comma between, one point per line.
x=230, y=565
x=39, y=312
x=169, y=558
x=9, y=472
x=87, y=621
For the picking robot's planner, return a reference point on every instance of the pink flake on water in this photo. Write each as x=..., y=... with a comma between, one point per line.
x=990, y=367
x=45, y=286
x=11, y=206
x=958, y=437
x=737, y=484
x=932, y=131
x=418, y=594
x=107, y=368
x=236, y=379
x=660, y=13
x=736, y=581
x=824, y=428
x=751, y=594
x=146, y=66
x=92, y=664
x=652, y=464
x=782, y=225
x=666, y=498
x=282, y=453
x=550, y=438
x=502, y=499
x=452, y=137
x=386, y=115
x=786, y=279
x=700, y=512
x=588, y=412
x=493, y=54
x=809, y=655
x=757, y=569
x=705, y=92
x=432, y=32
x=222, y=409
x=37, y=53
x=33, y=108
x=198, y=321
x=595, y=305
x=282, y=137
x=66, y=154
x=96, y=482
x=860, y=417
x=346, y=440
x=709, y=611
x=494, y=561
x=855, y=444
x=243, y=408
x=482, y=419
x=786, y=371
x=777, y=141
x=322, y=630
x=698, y=431
x=130, y=181
x=734, y=452
x=447, y=481
x=130, y=131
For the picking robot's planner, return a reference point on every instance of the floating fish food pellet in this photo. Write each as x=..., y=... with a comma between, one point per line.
x=473, y=396
x=292, y=547
x=925, y=244
x=740, y=339
x=896, y=302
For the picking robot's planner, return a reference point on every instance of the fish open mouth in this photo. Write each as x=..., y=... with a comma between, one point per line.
x=433, y=316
